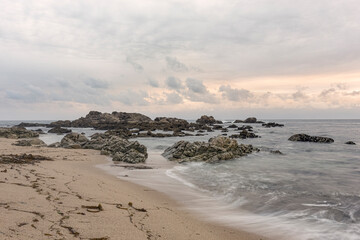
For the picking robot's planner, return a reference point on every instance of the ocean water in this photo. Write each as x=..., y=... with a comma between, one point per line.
x=311, y=192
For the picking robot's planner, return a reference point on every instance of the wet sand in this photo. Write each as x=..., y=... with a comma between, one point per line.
x=69, y=198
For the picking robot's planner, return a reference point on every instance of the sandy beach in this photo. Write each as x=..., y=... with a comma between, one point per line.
x=69, y=198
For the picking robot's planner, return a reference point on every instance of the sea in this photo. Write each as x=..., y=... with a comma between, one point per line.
x=310, y=192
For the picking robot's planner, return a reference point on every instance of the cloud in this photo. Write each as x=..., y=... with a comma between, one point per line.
x=195, y=85
x=132, y=98
x=153, y=82
x=234, y=94
x=174, y=83
x=95, y=83
x=173, y=98
x=176, y=65
x=135, y=65
x=299, y=95
x=327, y=92
x=342, y=86
x=353, y=93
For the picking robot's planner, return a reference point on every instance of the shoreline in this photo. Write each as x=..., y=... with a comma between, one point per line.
x=56, y=207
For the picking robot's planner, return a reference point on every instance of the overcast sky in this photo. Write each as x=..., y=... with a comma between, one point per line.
x=227, y=58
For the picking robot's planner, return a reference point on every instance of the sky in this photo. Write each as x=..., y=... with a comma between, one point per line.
x=273, y=59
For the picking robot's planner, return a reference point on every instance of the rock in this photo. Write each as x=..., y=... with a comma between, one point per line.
x=30, y=142
x=17, y=132
x=73, y=140
x=272, y=124
x=276, y=152
x=250, y=120
x=306, y=138
x=59, y=130
x=350, y=143
x=247, y=127
x=208, y=120
x=244, y=134
x=120, y=149
x=216, y=149
x=39, y=131
x=55, y=145
x=238, y=121
x=232, y=126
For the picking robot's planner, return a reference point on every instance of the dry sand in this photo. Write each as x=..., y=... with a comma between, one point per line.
x=59, y=199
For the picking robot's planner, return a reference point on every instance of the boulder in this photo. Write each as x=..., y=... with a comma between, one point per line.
x=216, y=149
x=350, y=143
x=73, y=140
x=232, y=126
x=207, y=120
x=306, y=138
x=250, y=120
x=272, y=124
x=238, y=121
x=17, y=132
x=59, y=130
x=244, y=134
x=30, y=142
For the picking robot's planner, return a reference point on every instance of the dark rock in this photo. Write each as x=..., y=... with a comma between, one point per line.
x=39, y=131
x=216, y=149
x=244, y=134
x=238, y=121
x=272, y=124
x=208, y=120
x=350, y=143
x=73, y=140
x=17, y=132
x=59, y=130
x=232, y=126
x=247, y=127
x=306, y=138
x=276, y=152
x=250, y=120
x=217, y=127
x=30, y=142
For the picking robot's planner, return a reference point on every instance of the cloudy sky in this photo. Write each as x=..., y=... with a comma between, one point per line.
x=228, y=58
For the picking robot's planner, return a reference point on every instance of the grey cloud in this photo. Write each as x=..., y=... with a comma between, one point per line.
x=132, y=98
x=341, y=86
x=234, y=94
x=174, y=83
x=95, y=83
x=299, y=95
x=135, y=65
x=326, y=92
x=353, y=93
x=153, y=82
x=195, y=85
x=176, y=65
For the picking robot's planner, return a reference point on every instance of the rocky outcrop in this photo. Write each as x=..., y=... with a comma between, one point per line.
x=244, y=134
x=30, y=142
x=59, y=130
x=350, y=143
x=118, y=148
x=207, y=120
x=306, y=138
x=73, y=140
x=17, y=132
x=216, y=149
x=272, y=124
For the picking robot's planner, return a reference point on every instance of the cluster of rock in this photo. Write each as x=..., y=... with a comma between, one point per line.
x=17, y=132
x=59, y=130
x=118, y=148
x=244, y=134
x=306, y=138
x=272, y=124
x=248, y=120
x=216, y=149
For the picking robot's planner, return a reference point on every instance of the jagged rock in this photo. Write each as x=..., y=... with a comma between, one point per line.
x=30, y=142
x=59, y=130
x=17, y=132
x=216, y=149
x=120, y=149
x=306, y=138
x=209, y=120
x=350, y=143
x=244, y=134
x=73, y=140
x=250, y=120
x=272, y=124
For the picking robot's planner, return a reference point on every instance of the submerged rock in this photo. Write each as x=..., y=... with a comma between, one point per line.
x=278, y=152
x=59, y=130
x=30, y=142
x=244, y=134
x=306, y=138
x=17, y=132
x=272, y=124
x=350, y=143
x=216, y=149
